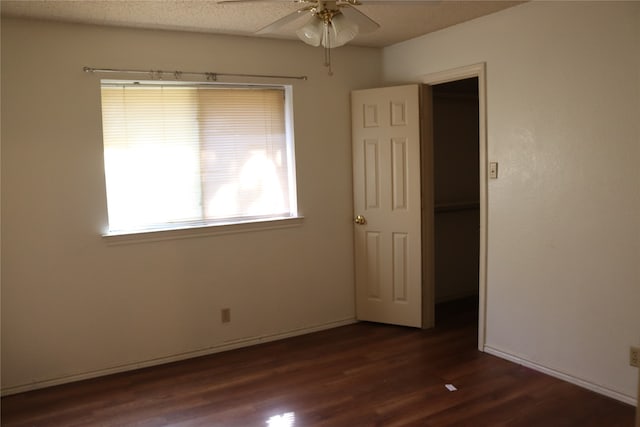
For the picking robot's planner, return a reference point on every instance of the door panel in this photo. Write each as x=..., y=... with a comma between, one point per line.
x=387, y=193
x=373, y=265
x=371, y=174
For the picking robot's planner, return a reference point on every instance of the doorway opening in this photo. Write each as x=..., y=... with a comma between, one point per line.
x=456, y=187
x=393, y=162
x=460, y=83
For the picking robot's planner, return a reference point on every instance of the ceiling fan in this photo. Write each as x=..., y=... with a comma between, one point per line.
x=331, y=23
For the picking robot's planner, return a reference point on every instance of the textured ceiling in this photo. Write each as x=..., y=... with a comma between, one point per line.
x=401, y=21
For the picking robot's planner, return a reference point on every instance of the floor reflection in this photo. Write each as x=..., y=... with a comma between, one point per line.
x=287, y=419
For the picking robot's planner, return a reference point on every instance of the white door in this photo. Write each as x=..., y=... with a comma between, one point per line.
x=387, y=202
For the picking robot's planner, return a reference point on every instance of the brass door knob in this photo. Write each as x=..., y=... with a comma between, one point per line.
x=360, y=220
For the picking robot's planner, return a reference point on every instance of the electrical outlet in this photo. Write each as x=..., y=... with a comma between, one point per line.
x=634, y=357
x=225, y=315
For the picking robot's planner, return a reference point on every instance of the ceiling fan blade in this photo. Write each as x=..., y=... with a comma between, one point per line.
x=284, y=20
x=365, y=24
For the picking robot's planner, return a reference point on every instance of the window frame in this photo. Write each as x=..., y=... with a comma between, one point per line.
x=215, y=226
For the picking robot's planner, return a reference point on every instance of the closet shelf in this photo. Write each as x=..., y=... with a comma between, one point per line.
x=456, y=206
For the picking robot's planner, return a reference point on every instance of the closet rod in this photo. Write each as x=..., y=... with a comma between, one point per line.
x=453, y=207
x=210, y=76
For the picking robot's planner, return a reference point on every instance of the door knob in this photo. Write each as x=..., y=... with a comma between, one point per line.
x=360, y=220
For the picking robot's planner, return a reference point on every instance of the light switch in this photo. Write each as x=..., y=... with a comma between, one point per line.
x=493, y=170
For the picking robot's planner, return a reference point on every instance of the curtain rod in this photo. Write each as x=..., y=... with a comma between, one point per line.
x=159, y=74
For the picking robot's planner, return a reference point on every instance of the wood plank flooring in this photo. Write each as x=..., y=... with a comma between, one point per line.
x=358, y=375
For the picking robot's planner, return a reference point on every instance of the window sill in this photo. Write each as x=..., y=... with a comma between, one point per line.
x=122, y=238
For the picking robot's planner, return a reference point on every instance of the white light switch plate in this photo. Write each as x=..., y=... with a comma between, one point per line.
x=493, y=170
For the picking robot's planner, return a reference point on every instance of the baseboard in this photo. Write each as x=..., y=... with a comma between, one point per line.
x=563, y=376
x=227, y=345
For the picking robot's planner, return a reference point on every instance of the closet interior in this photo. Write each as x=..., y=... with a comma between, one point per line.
x=457, y=196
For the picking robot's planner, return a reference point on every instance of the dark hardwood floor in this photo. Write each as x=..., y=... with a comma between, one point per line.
x=358, y=375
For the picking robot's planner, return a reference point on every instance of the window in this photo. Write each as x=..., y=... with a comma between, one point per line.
x=181, y=155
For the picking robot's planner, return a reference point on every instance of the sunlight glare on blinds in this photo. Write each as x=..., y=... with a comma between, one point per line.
x=180, y=155
x=244, y=152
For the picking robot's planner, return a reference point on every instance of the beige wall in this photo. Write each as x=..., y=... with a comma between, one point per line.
x=563, y=106
x=73, y=305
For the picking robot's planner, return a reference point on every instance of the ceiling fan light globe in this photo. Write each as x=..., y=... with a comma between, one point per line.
x=342, y=30
x=311, y=33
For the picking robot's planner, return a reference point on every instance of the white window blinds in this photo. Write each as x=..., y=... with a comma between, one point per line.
x=179, y=156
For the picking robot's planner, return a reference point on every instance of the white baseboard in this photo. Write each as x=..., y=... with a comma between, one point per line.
x=228, y=345
x=561, y=375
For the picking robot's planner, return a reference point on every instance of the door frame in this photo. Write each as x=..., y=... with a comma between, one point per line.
x=475, y=70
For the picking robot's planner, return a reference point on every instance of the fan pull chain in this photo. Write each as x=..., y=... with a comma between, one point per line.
x=327, y=47
x=327, y=59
